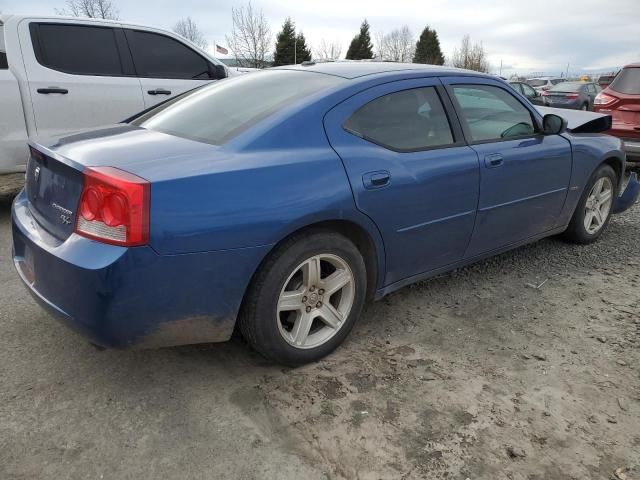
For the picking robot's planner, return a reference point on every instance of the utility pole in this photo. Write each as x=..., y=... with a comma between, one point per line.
x=566, y=74
x=295, y=50
x=500, y=67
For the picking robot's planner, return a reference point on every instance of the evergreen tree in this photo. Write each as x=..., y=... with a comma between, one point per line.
x=361, y=46
x=428, y=48
x=303, y=53
x=354, y=48
x=285, y=44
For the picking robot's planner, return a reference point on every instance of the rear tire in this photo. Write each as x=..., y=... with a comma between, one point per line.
x=593, y=212
x=585, y=107
x=305, y=298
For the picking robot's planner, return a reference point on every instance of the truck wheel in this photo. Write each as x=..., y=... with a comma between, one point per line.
x=593, y=212
x=305, y=298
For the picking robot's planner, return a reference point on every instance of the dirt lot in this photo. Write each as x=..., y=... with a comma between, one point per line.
x=525, y=366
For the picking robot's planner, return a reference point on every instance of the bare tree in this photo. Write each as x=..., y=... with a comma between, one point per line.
x=250, y=36
x=188, y=29
x=378, y=38
x=328, y=51
x=471, y=57
x=90, y=8
x=398, y=46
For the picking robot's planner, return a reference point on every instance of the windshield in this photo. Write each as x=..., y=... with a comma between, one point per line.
x=627, y=81
x=219, y=112
x=567, y=87
x=536, y=82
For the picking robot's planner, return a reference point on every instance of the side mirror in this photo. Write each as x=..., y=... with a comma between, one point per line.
x=553, y=124
x=218, y=72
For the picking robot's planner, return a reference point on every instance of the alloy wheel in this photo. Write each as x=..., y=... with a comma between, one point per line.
x=315, y=301
x=598, y=205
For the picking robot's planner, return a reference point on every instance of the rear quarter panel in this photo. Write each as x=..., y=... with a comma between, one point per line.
x=256, y=191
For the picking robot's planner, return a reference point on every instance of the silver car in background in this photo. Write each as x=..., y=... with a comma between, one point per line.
x=542, y=84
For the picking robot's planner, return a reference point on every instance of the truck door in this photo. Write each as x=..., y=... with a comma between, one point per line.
x=80, y=75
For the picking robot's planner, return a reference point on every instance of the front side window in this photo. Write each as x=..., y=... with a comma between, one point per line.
x=517, y=87
x=159, y=56
x=492, y=113
x=528, y=91
x=77, y=49
x=409, y=120
x=223, y=110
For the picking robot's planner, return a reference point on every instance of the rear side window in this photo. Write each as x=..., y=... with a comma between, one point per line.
x=159, y=56
x=77, y=49
x=556, y=81
x=221, y=111
x=492, y=113
x=410, y=120
x=627, y=81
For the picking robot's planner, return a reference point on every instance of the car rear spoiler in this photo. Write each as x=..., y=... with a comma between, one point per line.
x=580, y=121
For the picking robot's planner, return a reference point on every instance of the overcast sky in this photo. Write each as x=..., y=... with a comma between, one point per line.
x=527, y=36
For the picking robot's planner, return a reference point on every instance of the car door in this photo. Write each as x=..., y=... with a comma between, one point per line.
x=524, y=175
x=410, y=171
x=79, y=75
x=166, y=66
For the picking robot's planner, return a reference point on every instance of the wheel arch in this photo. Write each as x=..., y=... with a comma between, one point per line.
x=617, y=164
x=367, y=240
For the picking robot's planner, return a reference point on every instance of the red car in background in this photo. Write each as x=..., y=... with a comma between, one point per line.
x=621, y=100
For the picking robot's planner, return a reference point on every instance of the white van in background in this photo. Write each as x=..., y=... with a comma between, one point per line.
x=62, y=74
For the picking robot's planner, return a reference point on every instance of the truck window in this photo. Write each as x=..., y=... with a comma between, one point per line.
x=76, y=49
x=3, y=55
x=159, y=56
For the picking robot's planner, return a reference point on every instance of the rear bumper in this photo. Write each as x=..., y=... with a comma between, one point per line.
x=131, y=297
x=632, y=148
x=630, y=195
x=568, y=105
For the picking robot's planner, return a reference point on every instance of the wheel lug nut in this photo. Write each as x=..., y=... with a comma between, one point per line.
x=318, y=305
x=321, y=291
x=308, y=309
x=312, y=288
x=304, y=299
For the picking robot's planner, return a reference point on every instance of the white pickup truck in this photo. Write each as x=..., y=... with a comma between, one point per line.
x=63, y=74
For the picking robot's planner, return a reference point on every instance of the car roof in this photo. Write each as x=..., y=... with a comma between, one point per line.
x=632, y=65
x=355, y=69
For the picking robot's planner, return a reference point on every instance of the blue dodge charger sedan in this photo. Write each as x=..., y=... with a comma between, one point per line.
x=279, y=202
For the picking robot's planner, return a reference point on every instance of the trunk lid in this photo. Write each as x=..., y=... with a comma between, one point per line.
x=53, y=189
x=54, y=178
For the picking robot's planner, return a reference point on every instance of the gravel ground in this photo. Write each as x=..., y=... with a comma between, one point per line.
x=524, y=366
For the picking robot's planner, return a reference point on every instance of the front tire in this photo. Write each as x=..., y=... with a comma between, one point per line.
x=305, y=298
x=593, y=212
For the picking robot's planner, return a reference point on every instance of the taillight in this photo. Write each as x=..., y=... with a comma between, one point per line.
x=571, y=95
x=114, y=207
x=604, y=99
x=545, y=93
